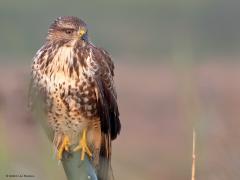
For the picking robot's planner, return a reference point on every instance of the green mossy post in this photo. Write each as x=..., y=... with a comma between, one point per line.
x=74, y=167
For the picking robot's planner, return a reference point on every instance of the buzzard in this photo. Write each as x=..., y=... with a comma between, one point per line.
x=75, y=80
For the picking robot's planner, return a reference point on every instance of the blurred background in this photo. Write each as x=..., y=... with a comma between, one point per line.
x=177, y=67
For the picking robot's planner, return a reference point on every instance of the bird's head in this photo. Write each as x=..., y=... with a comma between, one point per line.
x=68, y=31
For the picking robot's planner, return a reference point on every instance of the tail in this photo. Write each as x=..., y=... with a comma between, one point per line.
x=104, y=169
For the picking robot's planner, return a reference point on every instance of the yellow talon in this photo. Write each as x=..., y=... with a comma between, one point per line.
x=64, y=147
x=83, y=145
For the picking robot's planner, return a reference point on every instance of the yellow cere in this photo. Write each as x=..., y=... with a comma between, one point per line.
x=82, y=32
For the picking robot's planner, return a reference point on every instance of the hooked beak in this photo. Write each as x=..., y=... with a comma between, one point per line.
x=82, y=34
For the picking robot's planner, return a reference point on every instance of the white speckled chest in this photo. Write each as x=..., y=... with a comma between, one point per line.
x=69, y=95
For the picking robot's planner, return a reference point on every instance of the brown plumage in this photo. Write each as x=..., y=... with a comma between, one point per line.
x=76, y=80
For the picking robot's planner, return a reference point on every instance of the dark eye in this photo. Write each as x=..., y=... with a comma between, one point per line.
x=69, y=31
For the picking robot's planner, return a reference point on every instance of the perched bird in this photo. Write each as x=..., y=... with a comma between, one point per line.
x=75, y=80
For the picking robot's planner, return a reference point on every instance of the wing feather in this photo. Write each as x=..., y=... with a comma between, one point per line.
x=107, y=98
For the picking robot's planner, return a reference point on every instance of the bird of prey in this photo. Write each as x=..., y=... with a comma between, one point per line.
x=75, y=80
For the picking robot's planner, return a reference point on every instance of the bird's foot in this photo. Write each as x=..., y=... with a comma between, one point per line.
x=83, y=146
x=63, y=147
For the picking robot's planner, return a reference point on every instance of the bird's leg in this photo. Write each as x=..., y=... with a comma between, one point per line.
x=83, y=145
x=63, y=147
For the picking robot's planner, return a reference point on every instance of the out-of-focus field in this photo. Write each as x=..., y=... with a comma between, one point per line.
x=177, y=67
x=159, y=105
